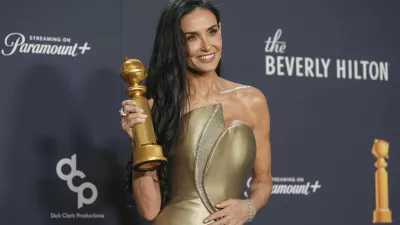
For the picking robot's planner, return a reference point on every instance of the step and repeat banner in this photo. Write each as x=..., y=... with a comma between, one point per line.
x=330, y=72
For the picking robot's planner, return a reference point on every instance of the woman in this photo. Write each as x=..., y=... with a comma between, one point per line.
x=214, y=132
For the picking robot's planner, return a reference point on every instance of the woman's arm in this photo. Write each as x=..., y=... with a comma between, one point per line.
x=146, y=193
x=145, y=187
x=261, y=186
x=237, y=211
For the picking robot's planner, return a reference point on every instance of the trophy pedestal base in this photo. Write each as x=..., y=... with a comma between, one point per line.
x=148, y=157
x=382, y=216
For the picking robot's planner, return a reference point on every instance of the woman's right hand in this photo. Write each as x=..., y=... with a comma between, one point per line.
x=134, y=115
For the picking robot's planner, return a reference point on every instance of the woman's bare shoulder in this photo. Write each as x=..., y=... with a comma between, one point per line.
x=248, y=95
x=255, y=104
x=251, y=96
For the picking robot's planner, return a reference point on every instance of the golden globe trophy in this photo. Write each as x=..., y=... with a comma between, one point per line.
x=147, y=154
x=382, y=213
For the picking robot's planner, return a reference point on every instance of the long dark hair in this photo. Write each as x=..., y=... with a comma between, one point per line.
x=167, y=81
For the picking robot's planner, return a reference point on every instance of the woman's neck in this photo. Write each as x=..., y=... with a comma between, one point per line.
x=203, y=86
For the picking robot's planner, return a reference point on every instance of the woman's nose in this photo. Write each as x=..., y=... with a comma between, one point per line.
x=206, y=45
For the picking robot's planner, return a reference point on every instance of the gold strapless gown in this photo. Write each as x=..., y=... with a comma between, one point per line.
x=211, y=165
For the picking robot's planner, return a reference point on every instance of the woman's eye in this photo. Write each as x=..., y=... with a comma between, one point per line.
x=213, y=32
x=192, y=38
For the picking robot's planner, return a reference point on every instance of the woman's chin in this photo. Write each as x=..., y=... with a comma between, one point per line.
x=203, y=70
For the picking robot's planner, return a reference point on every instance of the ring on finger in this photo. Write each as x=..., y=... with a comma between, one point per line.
x=122, y=113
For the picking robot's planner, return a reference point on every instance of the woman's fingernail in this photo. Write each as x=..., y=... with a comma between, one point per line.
x=144, y=116
x=205, y=221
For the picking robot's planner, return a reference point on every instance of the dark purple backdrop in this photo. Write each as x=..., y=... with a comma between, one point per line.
x=55, y=106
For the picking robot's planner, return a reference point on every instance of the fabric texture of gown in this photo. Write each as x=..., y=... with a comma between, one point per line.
x=210, y=165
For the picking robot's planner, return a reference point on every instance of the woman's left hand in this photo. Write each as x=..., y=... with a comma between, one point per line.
x=233, y=212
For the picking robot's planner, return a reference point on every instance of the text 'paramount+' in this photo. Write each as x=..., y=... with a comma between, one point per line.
x=296, y=66
x=290, y=186
x=17, y=43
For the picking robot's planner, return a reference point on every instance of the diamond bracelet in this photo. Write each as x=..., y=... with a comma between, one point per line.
x=251, y=210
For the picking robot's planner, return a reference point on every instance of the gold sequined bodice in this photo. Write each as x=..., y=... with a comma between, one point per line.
x=211, y=165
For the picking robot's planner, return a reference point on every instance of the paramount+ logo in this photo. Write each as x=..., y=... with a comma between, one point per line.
x=70, y=176
x=290, y=186
x=18, y=43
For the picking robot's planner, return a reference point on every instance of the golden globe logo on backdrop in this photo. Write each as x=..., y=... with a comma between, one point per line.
x=280, y=65
x=17, y=43
x=382, y=212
